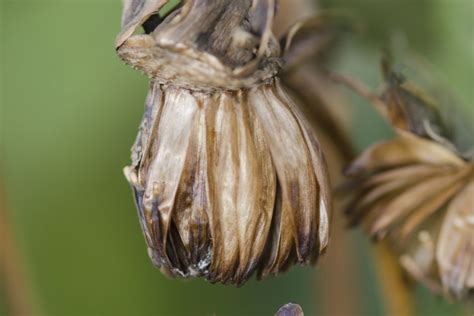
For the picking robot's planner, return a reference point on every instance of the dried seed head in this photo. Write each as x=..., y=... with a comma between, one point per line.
x=228, y=178
x=418, y=191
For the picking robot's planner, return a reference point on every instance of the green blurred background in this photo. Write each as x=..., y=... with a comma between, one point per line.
x=69, y=114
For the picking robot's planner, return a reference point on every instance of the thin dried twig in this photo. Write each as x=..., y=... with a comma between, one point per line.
x=360, y=89
x=398, y=298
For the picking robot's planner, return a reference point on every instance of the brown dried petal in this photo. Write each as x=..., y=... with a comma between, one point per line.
x=232, y=182
x=373, y=190
x=455, y=249
x=321, y=172
x=428, y=208
x=403, y=150
x=411, y=199
x=135, y=13
x=295, y=176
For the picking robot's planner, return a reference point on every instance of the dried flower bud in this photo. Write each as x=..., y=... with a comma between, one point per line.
x=228, y=178
x=290, y=309
x=418, y=191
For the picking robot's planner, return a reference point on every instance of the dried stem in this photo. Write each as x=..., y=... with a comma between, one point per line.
x=398, y=299
x=338, y=275
x=13, y=279
x=361, y=90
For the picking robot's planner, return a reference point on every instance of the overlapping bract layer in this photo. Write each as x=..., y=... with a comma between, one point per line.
x=229, y=183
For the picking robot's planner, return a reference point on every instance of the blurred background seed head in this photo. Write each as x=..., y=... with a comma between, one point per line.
x=69, y=114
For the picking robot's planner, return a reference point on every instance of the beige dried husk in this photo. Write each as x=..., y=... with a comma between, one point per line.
x=417, y=190
x=228, y=177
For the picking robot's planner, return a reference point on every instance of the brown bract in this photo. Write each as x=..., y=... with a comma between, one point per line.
x=202, y=45
x=418, y=191
x=228, y=177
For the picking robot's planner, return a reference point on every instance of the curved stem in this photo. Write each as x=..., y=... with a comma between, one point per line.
x=398, y=298
x=362, y=90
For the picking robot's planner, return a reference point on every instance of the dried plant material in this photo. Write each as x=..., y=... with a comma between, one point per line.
x=309, y=45
x=228, y=178
x=418, y=191
x=306, y=48
x=290, y=309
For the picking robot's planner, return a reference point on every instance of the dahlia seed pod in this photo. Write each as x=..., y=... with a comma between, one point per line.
x=418, y=191
x=227, y=176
